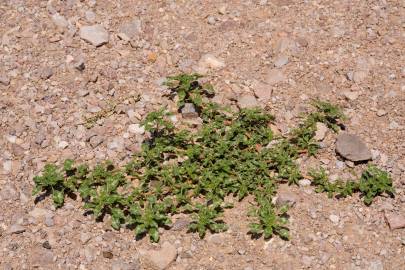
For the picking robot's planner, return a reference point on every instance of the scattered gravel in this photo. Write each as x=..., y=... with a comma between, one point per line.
x=276, y=54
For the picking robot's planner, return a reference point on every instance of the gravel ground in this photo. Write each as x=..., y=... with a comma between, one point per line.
x=63, y=61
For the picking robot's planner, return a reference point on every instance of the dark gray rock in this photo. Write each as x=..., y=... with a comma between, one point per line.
x=351, y=147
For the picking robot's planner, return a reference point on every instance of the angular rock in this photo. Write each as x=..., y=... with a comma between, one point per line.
x=275, y=76
x=334, y=218
x=136, y=129
x=16, y=229
x=120, y=265
x=189, y=111
x=46, y=73
x=96, y=141
x=38, y=213
x=351, y=147
x=160, y=259
x=4, y=80
x=79, y=63
x=321, y=130
x=41, y=257
x=286, y=197
x=304, y=183
x=180, y=224
x=247, y=101
x=262, y=91
x=94, y=34
x=60, y=21
x=351, y=95
x=281, y=60
x=130, y=30
x=209, y=61
x=395, y=221
x=359, y=76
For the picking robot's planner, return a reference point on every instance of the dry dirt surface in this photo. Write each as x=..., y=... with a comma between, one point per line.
x=63, y=61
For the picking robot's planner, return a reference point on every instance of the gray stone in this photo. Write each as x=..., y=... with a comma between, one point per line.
x=180, y=224
x=136, y=129
x=247, y=101
x=275, y=76
x=96, y=141
x=79, y=63
x=351, y=147
x=281, y=60
x=285, y=197
x=130, y=30
x=334, y=218
x=395, y=221
x=321, y=130
x=304, y=183
x=120, y=265
x=16, y=229
x=376, y=265
x=90, y=16
x=209, y=62
x=84, y=237
x=189, y=111
x=351, y=95
x=262, y=91
x=359, y=76
x=4, y=80
x=46, y=73
x=60, y=21
x=160, y=259
x=211, y=20
x=41, y=257
x=39, y=213
x=94, y=34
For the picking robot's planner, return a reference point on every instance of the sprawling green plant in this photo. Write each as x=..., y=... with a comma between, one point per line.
x=372, y=183
x=192, y=172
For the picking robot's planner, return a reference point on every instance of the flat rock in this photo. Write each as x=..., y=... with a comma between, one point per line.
x=4, y=80
x=351, y=147
x=60, y=21
x=351, y=95
x=321, y=130
x=262, y=91
x=275, y=76
x=189, y=111
x=16, y=229
x=160, y=259
x=136, y=129
x=41, y=257
x=395, y=221
x=94, y=34
x=304, y=183
x=209, y=62
x=247, y=101
x=281, y=60
x=286, y=197
x=129, y=30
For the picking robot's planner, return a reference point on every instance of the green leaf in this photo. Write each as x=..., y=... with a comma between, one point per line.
x=58, y=197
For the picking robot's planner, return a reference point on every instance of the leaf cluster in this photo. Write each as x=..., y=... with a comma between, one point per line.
x=372, y=183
